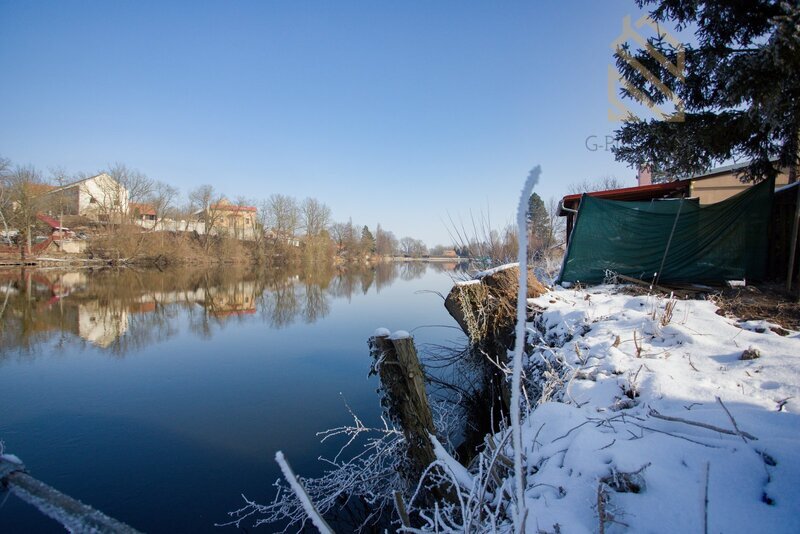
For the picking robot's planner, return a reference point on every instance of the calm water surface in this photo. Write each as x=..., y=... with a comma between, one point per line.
x=161, y=397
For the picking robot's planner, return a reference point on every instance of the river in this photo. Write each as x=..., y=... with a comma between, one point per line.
x=161, y=397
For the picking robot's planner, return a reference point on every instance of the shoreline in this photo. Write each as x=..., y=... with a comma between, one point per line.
x=82, y=262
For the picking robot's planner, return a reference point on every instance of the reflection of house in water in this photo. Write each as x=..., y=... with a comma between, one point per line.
x=101, y=325
x=235, y=299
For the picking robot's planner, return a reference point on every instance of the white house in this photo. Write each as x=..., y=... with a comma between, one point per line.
x=97, y=197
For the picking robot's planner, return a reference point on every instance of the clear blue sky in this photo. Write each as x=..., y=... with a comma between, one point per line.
x=390, y=112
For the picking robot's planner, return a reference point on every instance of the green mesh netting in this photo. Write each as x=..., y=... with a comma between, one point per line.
x=723, y=241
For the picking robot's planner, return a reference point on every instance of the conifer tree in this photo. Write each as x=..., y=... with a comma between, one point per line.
x=739, y=92
x=539, y=229
x=367, y=240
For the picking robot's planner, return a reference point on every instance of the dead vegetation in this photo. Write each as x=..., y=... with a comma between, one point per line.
x=765, y=303
x=487, y=308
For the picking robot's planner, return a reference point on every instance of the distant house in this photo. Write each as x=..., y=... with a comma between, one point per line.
x=144, y=213
x=231, y=219
x=98, y=197
x=56, y=230
x=282, y=238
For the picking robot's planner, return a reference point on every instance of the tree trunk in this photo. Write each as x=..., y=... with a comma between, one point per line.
x=793, y=175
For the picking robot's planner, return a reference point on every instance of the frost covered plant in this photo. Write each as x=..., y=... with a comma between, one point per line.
x=366, y=476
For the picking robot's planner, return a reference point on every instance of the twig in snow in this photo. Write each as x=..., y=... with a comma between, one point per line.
x=613, y=441
x=782, y=403
x=638, y=344
x=675, y=436
x=401, y=509
x=705, y=502
x=654, y=413
x=601, y=507
x=743, y=435
x=571, y=430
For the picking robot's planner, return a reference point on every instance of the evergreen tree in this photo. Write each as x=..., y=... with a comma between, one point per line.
x=539, y=230
x=740, y=97
x=367, y=240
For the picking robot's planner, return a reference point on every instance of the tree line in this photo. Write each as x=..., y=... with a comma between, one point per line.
x=282, y=224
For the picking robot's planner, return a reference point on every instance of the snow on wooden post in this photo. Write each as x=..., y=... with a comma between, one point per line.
x=405, y=400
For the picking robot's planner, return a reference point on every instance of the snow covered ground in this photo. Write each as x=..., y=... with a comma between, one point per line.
x=656, y=423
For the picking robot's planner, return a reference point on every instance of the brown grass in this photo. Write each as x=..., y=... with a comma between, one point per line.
x=489, y=309
x=760, y=303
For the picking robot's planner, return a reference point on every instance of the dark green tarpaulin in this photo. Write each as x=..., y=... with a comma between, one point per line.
x=722, y=241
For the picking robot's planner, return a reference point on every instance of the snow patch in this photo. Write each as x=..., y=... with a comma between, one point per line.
x=399, y=334
x=381, y=332
x=665, y=400
x=493, y=270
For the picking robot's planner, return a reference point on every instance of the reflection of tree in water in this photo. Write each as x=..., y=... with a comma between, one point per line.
x=385, y=274
x=412, y=270
x=316, y=304
x=121, y=310
x=281, y=305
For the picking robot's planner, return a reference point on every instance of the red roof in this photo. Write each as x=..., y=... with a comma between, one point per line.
x=49, y=221
x=642, y=192
x=142, y=209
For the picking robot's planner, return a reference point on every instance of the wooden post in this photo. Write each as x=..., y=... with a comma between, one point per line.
x=71, y=513
x=406, y=401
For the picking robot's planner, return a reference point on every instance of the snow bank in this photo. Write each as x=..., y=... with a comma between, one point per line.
x=489, y=272
x=667, y=397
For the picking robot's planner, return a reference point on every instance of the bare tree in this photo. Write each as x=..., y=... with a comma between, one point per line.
x=283, y=215
x=5, y=204
x=205, y=204
x=413, y=247
x=385, y=242
x=24, y=201
x=315, y=216
x=343, y=234
x=557, y=223
x=162, y=199
x=129, y=185
x=59, y=202
x=603, y=183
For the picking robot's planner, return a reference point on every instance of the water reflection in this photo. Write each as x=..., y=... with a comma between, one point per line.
x=119, y=310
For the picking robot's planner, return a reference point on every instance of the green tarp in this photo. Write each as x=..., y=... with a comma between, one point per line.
x=723, y=241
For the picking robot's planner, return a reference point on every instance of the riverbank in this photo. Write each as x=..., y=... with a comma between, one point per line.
x=640, y=410
x=645, y=412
